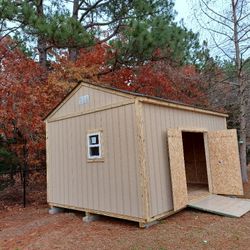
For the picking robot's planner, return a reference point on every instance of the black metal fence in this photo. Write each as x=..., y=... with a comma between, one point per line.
x=22, y=186
x=248, y=154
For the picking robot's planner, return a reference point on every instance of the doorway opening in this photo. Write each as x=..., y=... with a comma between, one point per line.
x=195, y=165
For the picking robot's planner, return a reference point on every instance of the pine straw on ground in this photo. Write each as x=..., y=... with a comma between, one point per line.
x=33, y=228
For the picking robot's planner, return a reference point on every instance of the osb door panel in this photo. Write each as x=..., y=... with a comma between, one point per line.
x=177, y=168
x=224, y=162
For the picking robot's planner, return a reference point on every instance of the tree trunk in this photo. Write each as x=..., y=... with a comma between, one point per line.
x=73, y=52
x=41, y=42
x=42, y=52
x=242, y=93
x=242, y=131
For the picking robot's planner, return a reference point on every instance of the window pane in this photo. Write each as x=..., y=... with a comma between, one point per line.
x=94, y=151
x=94, y=139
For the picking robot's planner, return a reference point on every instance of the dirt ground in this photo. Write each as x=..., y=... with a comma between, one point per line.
x=33, y=228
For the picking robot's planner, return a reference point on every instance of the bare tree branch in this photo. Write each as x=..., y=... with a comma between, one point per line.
x=90, y=8
x=214, y=12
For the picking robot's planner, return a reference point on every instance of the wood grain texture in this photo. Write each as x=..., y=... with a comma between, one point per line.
x=47, y=159
x=209, y=178
x=224, y=162
x=142, y=159
x=177, y=169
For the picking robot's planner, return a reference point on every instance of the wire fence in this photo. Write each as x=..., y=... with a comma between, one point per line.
x=22, y=187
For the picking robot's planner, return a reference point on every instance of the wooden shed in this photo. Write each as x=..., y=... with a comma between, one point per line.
x=134, y=157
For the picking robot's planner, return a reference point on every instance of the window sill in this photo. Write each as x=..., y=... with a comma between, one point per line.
x=95, y=160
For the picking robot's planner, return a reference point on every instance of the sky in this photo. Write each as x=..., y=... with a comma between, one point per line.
x=183, y=9
x=185, y=12
x=220, y=35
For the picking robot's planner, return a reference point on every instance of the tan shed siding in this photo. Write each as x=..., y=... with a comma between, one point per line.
x=157, y=120
x=97, y=99
x=110, y=186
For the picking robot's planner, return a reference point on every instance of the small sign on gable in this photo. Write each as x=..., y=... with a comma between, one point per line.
x=84, y=99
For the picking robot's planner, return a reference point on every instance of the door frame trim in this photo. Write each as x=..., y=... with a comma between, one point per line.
x=209, y=176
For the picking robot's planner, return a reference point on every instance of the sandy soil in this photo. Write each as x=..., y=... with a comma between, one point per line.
x=33, y=228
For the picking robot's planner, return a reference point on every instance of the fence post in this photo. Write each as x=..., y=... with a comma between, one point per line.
x=24, y=186
x=24, y=171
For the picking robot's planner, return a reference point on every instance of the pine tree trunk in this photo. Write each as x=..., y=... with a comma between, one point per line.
x=42, y=52
x=73, y=52
x=41, y=43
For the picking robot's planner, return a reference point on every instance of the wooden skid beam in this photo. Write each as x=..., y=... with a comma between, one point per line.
x=142, y=222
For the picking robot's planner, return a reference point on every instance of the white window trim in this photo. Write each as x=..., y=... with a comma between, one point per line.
x=96, y=145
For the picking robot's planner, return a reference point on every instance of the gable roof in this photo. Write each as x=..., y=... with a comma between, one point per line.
x=132, y=95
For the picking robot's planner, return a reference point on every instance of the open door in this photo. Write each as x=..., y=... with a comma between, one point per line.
x=177, y=169
x=224, y=162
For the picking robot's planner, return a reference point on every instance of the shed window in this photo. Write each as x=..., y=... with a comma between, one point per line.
x=94, y=145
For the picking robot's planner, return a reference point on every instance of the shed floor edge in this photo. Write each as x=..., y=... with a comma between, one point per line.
x=100, y=212
x=115, y=215
x=163, y=215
